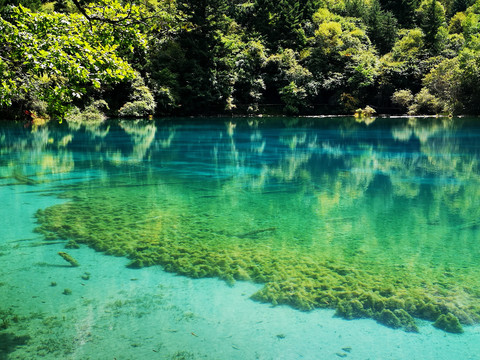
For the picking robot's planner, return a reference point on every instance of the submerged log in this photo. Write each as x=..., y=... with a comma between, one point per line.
x=68, y=258
x=256, y=232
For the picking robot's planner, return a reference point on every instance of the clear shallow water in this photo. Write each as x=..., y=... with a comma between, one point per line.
x=309, y=213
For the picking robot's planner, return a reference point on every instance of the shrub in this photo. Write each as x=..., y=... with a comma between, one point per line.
x=92, y=113
x=402, y=98
x=426, y=103
x=142, y=101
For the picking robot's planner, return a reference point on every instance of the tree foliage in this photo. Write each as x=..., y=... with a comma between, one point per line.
x=55, y=59
x=431, y=18
x=220, y=56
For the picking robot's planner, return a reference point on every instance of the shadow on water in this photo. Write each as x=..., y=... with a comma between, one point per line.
x=9, y=342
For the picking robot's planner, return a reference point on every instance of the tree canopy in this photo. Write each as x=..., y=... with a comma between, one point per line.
x=142, y=57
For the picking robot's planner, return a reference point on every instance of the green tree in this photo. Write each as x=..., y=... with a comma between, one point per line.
x=410, y=45
x=356, y=8
x=280, y=22
x=460, y=6
x=199, y=77
x=471, y=22
x=210, y=66
x=444, y=81
x=250, y=61
x=402, y=98
x=141, y=102
x=54, y=59
x=431, y=18
x=50, y=62
x=469, y=77
x=404, y=67
x=342, y=60
x=288, y=81
x=426, y=103
x=403, y=10
x=33, y=5
x=381, y=27
x=456, y=23
x=309, y=7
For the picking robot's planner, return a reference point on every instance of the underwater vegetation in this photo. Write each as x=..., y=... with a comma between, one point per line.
x=7, y=317
x=72, y=245
x=86, y=276
x=67, y=291
x=10, y=341
x=448, y=323
x=166, y=225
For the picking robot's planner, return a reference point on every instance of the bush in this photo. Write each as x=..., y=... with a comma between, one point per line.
x=426, y=103
x=294, y=97
x=368, y=111
x=402, y=98
x=92, y=113
x=142, y=101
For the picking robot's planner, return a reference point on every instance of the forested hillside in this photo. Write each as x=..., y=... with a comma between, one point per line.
x=77, y=59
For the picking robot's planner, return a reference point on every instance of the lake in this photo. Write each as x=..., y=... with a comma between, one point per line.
x=241, y=238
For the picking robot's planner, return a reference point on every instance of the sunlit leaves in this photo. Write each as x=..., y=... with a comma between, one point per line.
x=431, y=18
x=75, y=54
x=411, y=42
x=63, y=48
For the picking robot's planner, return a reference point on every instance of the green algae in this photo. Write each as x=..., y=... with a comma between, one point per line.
x=85, y=276
x=72, y=245
x=67, y=291
x=167, y=225
x=7, y=317
x=449, y=323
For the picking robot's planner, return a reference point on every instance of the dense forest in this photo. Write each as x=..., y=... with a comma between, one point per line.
x=83, y=60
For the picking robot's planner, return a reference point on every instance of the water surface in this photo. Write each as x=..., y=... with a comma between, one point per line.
x=376, y=222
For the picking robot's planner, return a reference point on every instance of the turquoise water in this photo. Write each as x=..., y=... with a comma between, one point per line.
x=239, y=239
